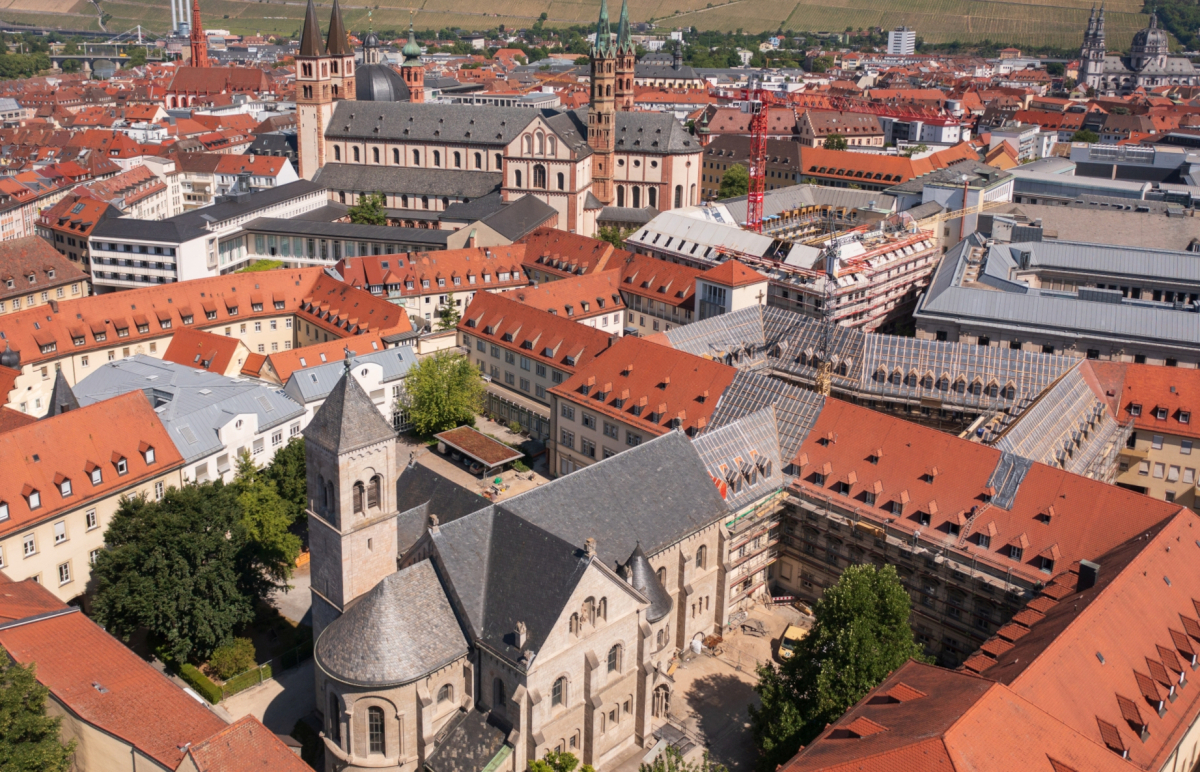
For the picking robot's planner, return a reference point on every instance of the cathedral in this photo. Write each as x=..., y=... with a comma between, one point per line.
x=454, y=634
x=426, y=157
x=1148, y=64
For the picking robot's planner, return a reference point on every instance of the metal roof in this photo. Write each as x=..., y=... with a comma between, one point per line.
x=315, y=382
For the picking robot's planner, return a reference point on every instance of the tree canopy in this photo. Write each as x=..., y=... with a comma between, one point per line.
x=28, y=737
x=449, y=315
x=266, y=516
x=191, y=567
x=370, y=210
x=443, y=391
x=860, y=634
x=614, y=235
x=558, y=761
x=671, y=760
x=736, y=182
x=835, y=142
x=1084, y=135
x=287, y=471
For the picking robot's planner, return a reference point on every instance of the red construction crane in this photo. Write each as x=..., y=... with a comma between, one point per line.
x=756, y=102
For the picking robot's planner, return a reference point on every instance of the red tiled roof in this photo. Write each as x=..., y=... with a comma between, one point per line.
x=1175, y=389
x=316, y=299
x=260, y=165
x=284, y=363
x=14, y=419
x=1091, y=517
x=732, y=273
x=662, y=384
x=575, y=297
x=541, y=336
x=254, y=363
x=33, y=256
x=245, y=746
x=566, y=254
x=671, y=283
x=70, y=445
x=844, y=164
x=202, y=350
x=476, y=268
x=101, y=681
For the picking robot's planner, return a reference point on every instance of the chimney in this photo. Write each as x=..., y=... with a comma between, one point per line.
x=1088, y=573
x=589, y=547
x=471, y=239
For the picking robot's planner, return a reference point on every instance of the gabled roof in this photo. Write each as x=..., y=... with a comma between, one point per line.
x=576, y=297
x=62, y=399
x=100, y=680
x=475, y=268
x=202, y=350
x=659, y=280
x=541, y=336
x=732, y=273
x=284, y=363
x=563, y=253
x=245, y=746
x=348, y=420
x=33, y=256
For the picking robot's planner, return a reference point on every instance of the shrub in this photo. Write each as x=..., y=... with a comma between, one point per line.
x=520, y=466
x=198, y=681
x=514, y=427
x=233, y=658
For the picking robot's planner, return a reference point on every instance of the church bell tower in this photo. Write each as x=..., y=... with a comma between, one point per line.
x=602, y=109
x=314, y=95
x=626, y=62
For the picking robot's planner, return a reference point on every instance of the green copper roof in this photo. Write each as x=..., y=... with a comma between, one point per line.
x=603, y=32
x=624, y=40
x=411, y=50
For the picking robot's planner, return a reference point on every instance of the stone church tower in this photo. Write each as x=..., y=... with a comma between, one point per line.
x=1093, y=51
x=602, y=109
x=626, y=62
x=324, y=75
x=351, y=467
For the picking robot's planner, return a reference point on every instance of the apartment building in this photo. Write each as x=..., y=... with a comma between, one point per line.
x=859, y=130
x=380, y=373
x=65, y=478
x=593, y=300
x=33, y=273
x=659, y=295
x=127, y=252
x=782, y=170
x=425, y=283
x=523, y=352
x=211, y=418
x=634, y=391
x=68, y=224
x=552, y=254
x=1157, y=458
x=139, y=193
x=277, y=310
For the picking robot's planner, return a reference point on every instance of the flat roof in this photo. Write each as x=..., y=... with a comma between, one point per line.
x=487, y=451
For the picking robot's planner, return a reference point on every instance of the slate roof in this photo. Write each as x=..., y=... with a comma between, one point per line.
x=794, y=408
x=421, y=492
x=520, y=217
x=348, y=420
x=475, y=209
x=409, y=180
x=470, y=742
x=192, y=404
x=344, y=231
x=744, y=458
x=639, y=573
x=401, y=630
x=62, y=399
x=428, y=122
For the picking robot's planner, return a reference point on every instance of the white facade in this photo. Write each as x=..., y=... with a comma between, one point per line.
x=902, y=41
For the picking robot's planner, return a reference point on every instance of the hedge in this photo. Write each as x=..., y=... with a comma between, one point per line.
x=200, y=682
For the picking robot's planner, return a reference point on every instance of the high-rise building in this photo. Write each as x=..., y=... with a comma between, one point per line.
x=902, y=41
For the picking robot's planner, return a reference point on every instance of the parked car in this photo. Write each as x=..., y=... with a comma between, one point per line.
x=789, y=641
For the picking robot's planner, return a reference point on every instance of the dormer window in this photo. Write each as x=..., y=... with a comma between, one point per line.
x=1160, y=413
x=1185, y=417
x=144, y=327
x=210, y=315
x=147, y=452
x=256, y=307
x=1135, y=410
x=3, y=510
x=121, y=464
x=983, y=540
x=79, y=341
x=1016, y=552
x=64, y=487
x=1047, y=564
x=34, y=497
x=187, y=318
x=95, y=474
x=279, y=305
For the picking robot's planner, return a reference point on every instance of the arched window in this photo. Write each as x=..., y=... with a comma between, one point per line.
x=608, y=91
x=614, y=658
x=620, y=195
x=375, y=154
x=602, y=609
x=335, y=720
x=652, y=197
x=574, y=624
x=528, y=144
x=541, y=143
x=678, y=196
x=589, y=611
x=701, y=556
x=395, y=155
x=446, y=693
x=424, y=202
x=373, y=492
x=437, y=157
x=562, y=181
x=479, y=160
x=404, y=201
x=457, y=160
x=320, y=504
x=375, y=729
x=550, y=145
x=517, y=177
x=692, y=195
x=662, y=576
x=539, y=176
x=445, y=202
x=558, y=693
x=416, y=158
x=499, y=700
x=637, y=197
x=330, y=501
x=358, y=497
x=356, y=156
x=499, y=161
x=337, y=153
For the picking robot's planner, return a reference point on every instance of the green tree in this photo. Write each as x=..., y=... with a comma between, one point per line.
x=266, y=518
x=177, y=567
x=449, y=314
x=835, y=142
x=1083, y=135
x=558, y=761
x=287, y=471
x=137, y=57
x=736, y=182
x=671, y=760
x=28, y=737
x=443, y=391
x=861, y=634
x=369, y=210
x=915, y=150
x=614, y=235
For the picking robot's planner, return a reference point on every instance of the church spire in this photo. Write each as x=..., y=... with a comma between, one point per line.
x=624, y=40
x=199, y=41
x=337, y=43
x=310, y=37
x=603, y=32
